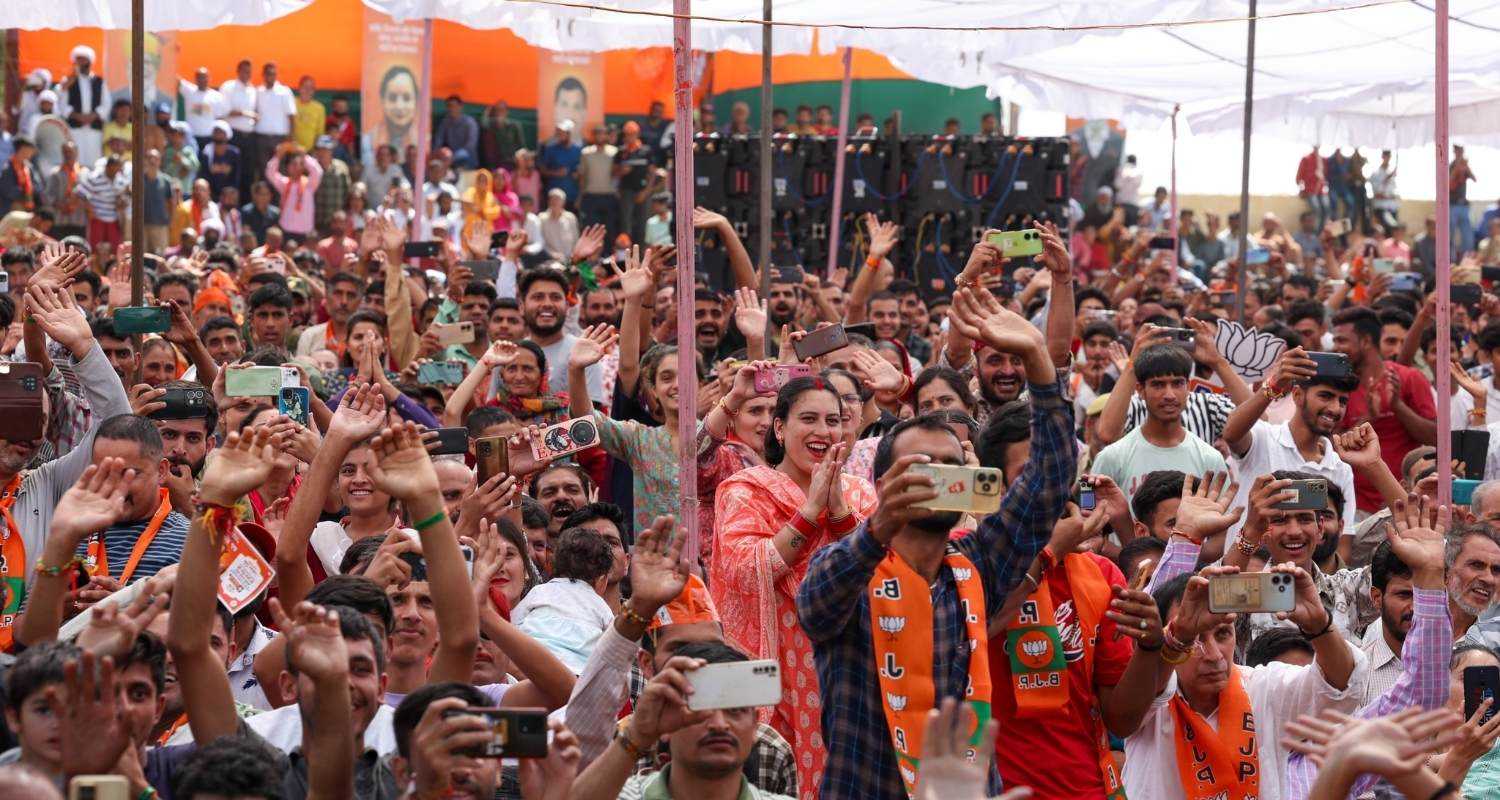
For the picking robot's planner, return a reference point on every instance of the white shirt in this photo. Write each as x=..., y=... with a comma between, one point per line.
x=329, y=540
x=1278, y=694
x=242, y=680
x=282, y=727
x=239, y=97
x=1385, y=664
x=1272, y=448
x=276, y=107
x=204, y=107
x=1128, y=186
x=85, y=98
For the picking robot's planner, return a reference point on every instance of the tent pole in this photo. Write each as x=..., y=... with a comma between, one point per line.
x=1173, y=224
x=763, y=246
x=835, y=222
x=1444, y=265
x=687, y=362
x=138, y=171
x=1244, y=270
x=424, y=137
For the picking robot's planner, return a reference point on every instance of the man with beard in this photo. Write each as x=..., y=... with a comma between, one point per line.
x=1302, y=442
x=600, y=307
x=562, y=488
x=1161, y=374
x=187, y=436
x=1391, y=590
x=477, y=299
x=782, y=302
x=544, y=308
x=340, y=301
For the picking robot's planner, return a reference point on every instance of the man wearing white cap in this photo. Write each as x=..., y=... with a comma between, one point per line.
x=558, y=161
x=85, y=100
x=205, y=105
x=221, y=161
x=45, y=105
x=29, y=109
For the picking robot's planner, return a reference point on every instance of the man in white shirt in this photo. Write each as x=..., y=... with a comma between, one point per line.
x=1301, y=443
x=275, y=109
x=86, y=103
x=239, y=111
x=1128, y=189
x=205, y=105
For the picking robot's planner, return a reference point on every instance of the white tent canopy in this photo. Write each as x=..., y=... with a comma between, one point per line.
x=1356, y=73
x=161, y=15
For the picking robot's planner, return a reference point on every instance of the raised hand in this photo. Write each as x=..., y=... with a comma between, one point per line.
x=1265, y=493
x=1476, y=737
x=359, y=416
x=60, y=318
x=241, y=463
x=1309, y=614
x=94, y=732
x=1359, y=448
x=1388, y=746
x=95, y=501
x=595, y=343
x=1292, y=367
x=638, y=279
x=145, y=401
x=60, y=266
x=402, y=468
x=749, y=313
x=1204, y=510
x=883, y=236
x=658, y=572
x=501, y=352
x=437, y=744
x=947, y=772
x=703, y=218
x=314, y=644
x=1193, y=617
x=1417, y=533
x=182, y=333
x=558, y=769
x=112, y=629
x=982, y=317
x=985, y=257
x=489, y=501
x=662, y=708
x=590, y=243
x=1054, y=251
x=387, y=569
x=876, y=373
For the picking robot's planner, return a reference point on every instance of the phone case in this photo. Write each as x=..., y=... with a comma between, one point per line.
x=821, y=342
x=455, y=333
x=253, y=382
x=1015, y=244
x=443, y=372
x=98, y=787
x=771, y=379
x=1312, y=495
x=736, y=684
x=491, y=456
x=1472, y=448
x=452, y=442
x=565, y=437
x=142, y=319
x=1252, y=592
x=487, y=270
x=1481, y=683
x=21, y=387
x=294, y=402
x=972, y=489
x=183, y=404
x=515, y=732
x=1331, y=365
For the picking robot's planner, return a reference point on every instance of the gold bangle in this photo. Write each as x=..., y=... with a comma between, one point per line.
x=1173, y=656
x=632, y=617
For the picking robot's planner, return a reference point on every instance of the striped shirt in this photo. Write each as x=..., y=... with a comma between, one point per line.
x=1204, y=414
x=164, y=550
x=102, y=192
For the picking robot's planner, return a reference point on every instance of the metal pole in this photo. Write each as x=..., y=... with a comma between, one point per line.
x=687, y=355
x=763, y=245
x=1172, y=225
x=835, y=221
x=1244, y=270
x=424, y=136
x=137, y=166
x=1444, y=267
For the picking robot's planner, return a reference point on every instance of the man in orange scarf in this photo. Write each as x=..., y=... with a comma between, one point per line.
x=20, y=186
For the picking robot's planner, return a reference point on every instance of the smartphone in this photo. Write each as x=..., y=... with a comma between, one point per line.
x=1225, y=299
x=972, y=489
x=1100, y=315
x=1181, y=335
x=451, y=442
x=1087, y=500
x=99, y=787
x=1344, y=226
x=253, y=382
x=1481, y=683
x=440, y=372
x=514, y=732
x=487, y=270
x=1406, y=282
x=789, y=275
x=1016, y=244
x=1472, y=447
x=498, y=240
x=1251, y=593
x=1463, y=490
x=184, y=404
x=735, y=684
x=468, y=554
x=1383, y=266
x=556, y=441
x=142, y=319
x=1257, y=255
x=21, y=387
x=821, y=341
x=1489, y=273
x=294, y=402
x=428, y=249
x=1332, y=365
x=491, y=454
x=1312, y=495
x=4, y=282
x=1466, y=293
x=770, y=379
x=1163, y=243
x=454, y=333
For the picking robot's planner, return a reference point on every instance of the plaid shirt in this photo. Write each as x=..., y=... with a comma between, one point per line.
x=835, y=608
x=331, y=195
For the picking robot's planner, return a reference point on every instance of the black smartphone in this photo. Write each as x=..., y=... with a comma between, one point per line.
x=486, y=270
x=184, y=404
x=1332, y=365
x=1466, y=293
x=821, y=341
x=789, y=275
x=450, y=442
x=1312, y=495
x=1163, y=243
x=428, y=249
x=865, y=329
x=1181, y=335
x=498, y=240
x=514, y=732
x=142, y=319
x=1489, y=273
x=1472, y=448
x=1481, y=683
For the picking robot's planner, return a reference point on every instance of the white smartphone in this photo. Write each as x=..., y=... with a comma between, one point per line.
x=98, y=787
x=738, y=684
x=1251, y=593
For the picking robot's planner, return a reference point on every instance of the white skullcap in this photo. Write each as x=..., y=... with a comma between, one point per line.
x=82, y=50
x=39, y=75
x=47, y=96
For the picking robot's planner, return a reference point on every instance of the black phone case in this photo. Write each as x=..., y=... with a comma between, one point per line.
x=451, y=442
x=1479, y=683
x=1473, y=449
x=1331, y=365
x=1312, y=495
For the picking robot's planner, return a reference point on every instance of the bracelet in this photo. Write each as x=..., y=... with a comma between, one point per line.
x=1176, y=532
x=1034, y=584
x=872, y=262
x=630, y=616
x=1443, y=791
x=1173, y=657
x=803, y=526
x=437, y=516
x=1271, y=392
x=53, y=572
x=147, y=793
x=623, y=738
x=1172, y=642
x=842, y=525
x=1246, y=546
x=1311, y=636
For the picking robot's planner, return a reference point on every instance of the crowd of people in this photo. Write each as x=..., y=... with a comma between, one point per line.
x=333, y=586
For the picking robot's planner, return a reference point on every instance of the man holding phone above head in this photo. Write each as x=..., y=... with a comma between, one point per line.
x=27, y=501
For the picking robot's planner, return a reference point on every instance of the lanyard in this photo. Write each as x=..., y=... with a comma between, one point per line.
x=98, y=557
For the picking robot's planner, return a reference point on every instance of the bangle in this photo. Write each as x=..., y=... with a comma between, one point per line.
x=842, y=525
x=437, y=516
x=872, y=262
x=1034, y=585
x=1172, y=642
x=1271, y=392
x=630, y=616
x=147, y=793
x=53, y=572
x=1173, y=657
x=1176, y=532
x=1246, y=546
x=622, y=736
x=1311, y=636
x=803, y=526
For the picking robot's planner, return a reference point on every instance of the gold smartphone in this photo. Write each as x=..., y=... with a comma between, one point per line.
x=1252, y=593
x=976, y=490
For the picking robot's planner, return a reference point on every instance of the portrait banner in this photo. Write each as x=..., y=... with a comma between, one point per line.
x=569, y=86
x=390, y=85
x=160, y=66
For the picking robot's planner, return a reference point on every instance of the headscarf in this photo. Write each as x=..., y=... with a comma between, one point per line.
x=510, y=202
x=550, y=407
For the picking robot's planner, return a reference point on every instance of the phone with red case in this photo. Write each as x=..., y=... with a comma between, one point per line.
x=556, y=441
x=769, y=380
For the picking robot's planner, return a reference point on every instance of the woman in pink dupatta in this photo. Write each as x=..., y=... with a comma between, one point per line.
x=770, y=521
x=511, y=218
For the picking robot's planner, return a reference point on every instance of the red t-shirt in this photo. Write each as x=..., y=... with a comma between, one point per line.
x=1395, y=442
x=1060, y=760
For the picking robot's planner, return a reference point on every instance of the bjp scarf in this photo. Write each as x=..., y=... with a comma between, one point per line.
x=23, y=181
x=12, y=564
x=97, y=560
x=196, y=209
x=1038, y=667
x=901, y=626
x=1222, y=763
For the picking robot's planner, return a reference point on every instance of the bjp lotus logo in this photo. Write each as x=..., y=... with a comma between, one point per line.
x=1034, y=649
x=1249, y=351
x=897, y=702
x=892, y=625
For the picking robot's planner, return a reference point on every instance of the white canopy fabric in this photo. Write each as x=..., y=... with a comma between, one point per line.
x=161, y=15
x=1356, y=74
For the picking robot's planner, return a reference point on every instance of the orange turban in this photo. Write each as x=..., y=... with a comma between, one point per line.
x=693, y=605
